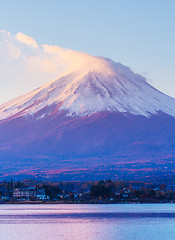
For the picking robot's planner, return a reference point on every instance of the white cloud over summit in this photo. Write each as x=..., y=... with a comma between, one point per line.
x=25, y=65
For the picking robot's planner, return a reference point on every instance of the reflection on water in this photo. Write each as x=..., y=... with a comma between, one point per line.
x=88, y=222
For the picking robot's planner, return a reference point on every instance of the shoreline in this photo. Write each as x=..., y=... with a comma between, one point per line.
x=83, y=202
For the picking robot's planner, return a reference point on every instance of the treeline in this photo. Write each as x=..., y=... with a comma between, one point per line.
x=124, y=191
x=92, y=191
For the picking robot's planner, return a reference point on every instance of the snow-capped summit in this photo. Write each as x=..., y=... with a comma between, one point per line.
x=101, y=85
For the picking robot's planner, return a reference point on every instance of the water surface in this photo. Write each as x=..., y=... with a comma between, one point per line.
x=87, y=222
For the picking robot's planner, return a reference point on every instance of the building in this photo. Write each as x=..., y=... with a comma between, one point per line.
x=41, y=194
x=24, y=193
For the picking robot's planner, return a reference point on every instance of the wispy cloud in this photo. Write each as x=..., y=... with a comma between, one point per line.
x=25, y=65
x=26, y=40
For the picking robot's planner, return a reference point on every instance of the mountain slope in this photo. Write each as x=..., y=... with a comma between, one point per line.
x=102, y=121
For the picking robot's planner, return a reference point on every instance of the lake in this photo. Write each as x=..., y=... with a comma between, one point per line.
x=87, y=222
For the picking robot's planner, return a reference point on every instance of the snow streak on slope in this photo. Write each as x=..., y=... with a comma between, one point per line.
x=102, y=85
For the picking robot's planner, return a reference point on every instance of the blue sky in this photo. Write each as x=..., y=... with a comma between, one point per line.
x=137, y=33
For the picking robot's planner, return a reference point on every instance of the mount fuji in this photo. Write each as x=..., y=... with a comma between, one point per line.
x=100, y=121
